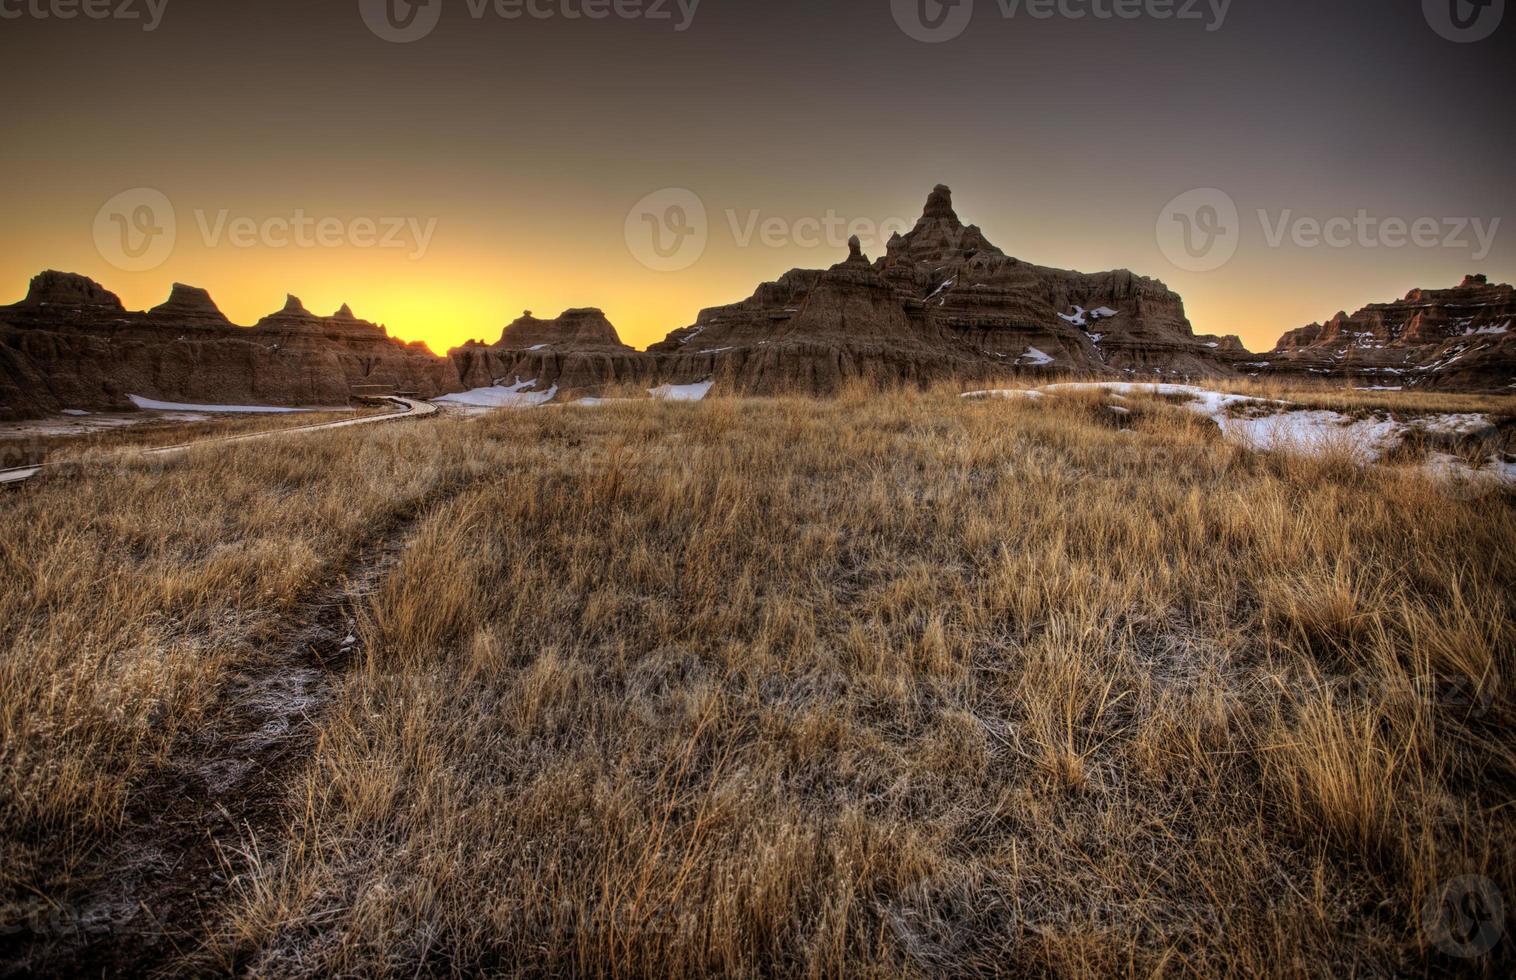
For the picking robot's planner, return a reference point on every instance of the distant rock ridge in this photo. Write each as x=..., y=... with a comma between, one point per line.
x=71, y=345
x=1460, y=338
x=579, y=329
x=67, y=289
x=941, y=303
x=579, y=351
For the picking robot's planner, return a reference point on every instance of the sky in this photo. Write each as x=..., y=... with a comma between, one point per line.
x=520, y=155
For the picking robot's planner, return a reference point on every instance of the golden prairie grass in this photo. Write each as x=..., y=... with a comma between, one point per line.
x=884, y=685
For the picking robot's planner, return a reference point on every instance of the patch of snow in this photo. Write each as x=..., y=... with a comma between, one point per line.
x=1213, y=344
x=683, y=393
x=74, y=411
x=718, y=350
x=1035, y=357
x=518, y=395
x=1078, y=319
x=1104, y=313
x=148, y=404
x=1007, y=393
x=540, y=347
x=1491, y=330
x=940, y=288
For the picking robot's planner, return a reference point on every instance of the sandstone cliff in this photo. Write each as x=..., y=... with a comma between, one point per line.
x=578, y=352
x=71, y=344
x=1457, y=339
x=943, y=302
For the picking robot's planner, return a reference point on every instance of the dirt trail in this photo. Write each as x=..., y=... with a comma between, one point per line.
x=413, y=410
x=144, y=904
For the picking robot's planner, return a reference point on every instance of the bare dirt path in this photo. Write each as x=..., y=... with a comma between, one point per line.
x=146, y=903
x=413, y=409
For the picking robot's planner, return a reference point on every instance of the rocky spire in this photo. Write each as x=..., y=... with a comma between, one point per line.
x=939, y=207
x=293, y=306
x=939, y=236
x=346, y=313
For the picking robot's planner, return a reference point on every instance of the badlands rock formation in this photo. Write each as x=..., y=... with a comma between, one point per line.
x=72, y=345
x=1457, y=339
x=579, y=352
x=943, y=302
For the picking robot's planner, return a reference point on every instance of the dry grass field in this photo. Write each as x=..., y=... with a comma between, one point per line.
x=24, y=444
x=885, y=686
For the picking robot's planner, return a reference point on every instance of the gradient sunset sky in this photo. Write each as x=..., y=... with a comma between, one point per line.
x=528, y=141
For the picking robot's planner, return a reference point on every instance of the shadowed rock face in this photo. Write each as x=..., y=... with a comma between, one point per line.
x=579, y=352
x=70, y=344
x=943, y=302
x=190, y=307
x=1460, y=339
x=70, y=292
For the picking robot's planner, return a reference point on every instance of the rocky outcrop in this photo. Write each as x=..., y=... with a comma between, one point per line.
x=578, y=352
x=189, y=306
x=1458, y=339
x=71, y=344
x=943, y=302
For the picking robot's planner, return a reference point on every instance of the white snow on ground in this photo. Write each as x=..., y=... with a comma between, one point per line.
x=1077, y=319
x=1103, y=313
x=74, y=411
x=1276, y=426
x=518, y=395
x=540, y=347
x=1314, y=432
x=1035, y=357
x=1503, y=328
x=149, y=404
x=683, y=393
x=1007, y=393
x=718, y=350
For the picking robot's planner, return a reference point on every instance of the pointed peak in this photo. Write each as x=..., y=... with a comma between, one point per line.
x=345, y=313
x=292, y=305
x=189, y=301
